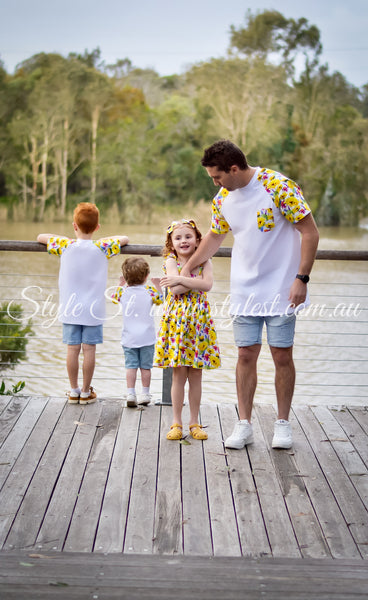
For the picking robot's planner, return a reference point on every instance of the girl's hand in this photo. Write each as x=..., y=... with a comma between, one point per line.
x=170, y=280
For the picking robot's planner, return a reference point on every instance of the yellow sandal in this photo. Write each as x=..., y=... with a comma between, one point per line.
x=196, y=431
x=175, y=433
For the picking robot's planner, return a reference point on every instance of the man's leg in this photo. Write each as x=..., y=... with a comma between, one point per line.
x=72, y=364
x=284, y=379
x=246, y=379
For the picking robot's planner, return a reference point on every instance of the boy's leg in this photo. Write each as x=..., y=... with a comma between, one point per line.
x=72, y=364
x=89, y=361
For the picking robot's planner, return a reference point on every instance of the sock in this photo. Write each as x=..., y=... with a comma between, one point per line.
x=145, y=390
x=131, y=391
x=75, y=392
x=84, y=394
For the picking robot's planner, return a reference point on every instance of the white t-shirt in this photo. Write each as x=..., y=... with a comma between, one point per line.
x=138, y=318
x=266, y=252
x=82, y=278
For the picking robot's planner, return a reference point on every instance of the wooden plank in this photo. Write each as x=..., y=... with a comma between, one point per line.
x=112, y=522
x=196, y=517
x=55, y=525
x=83, y=526
x=25, y=466
x=252, y=532
x=121, y=576
x=26, y=525
x=4, y=402
x=334, y=526
x=348, y=500
x=354, y=429
x=11, y=414
x=307, y=529
x=225, y=534
x=16, y=439
x=277, y=522
x=168, y=536
x=361, y=415
x=349, y=457
x=140, y=523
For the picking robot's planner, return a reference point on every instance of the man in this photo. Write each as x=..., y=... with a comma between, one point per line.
x=275, y=243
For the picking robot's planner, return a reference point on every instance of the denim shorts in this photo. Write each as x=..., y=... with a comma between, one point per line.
x=139, y=358
x=280, y=330
x=82, y=334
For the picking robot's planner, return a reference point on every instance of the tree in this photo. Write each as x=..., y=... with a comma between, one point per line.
x=269, y=32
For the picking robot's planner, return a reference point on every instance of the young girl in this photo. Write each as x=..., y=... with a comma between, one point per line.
x=187, y=338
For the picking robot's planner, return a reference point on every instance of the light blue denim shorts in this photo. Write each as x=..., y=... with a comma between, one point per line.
x=82, y=334
x=280, y=330
x=139, y=358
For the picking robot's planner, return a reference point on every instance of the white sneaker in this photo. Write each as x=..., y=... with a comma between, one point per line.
x=282, y=437
x=145, y=399
x=241, y=436
x=131, y=400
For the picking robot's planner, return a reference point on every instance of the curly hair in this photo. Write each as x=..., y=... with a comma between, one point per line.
x=168, y=247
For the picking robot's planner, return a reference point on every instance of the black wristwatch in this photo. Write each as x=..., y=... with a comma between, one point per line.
x=303, y=278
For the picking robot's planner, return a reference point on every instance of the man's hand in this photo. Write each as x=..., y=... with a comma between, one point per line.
x=298, y=293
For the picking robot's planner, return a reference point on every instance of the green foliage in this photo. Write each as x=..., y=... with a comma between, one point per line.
x=15, y=389
x=14, y=332
x=74, y=129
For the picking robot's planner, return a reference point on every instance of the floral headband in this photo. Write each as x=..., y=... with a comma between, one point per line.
x=190, y=222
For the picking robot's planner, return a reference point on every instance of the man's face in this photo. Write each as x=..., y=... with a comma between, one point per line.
x=227, y=180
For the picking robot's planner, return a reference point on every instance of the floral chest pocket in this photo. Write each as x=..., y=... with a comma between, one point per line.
x=265, y=220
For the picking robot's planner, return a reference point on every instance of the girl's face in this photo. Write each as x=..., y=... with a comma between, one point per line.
x=184, y=240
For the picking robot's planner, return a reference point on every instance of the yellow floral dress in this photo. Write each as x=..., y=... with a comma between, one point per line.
x=187, y=335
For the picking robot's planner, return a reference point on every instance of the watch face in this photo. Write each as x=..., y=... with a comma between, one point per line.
x=303, y=278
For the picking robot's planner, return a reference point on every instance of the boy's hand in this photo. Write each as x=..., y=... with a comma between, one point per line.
x=156, y=283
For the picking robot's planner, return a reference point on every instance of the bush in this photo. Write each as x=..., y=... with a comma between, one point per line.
x=13, y=335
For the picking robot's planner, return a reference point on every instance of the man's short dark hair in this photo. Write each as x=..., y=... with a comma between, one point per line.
x=223, y=155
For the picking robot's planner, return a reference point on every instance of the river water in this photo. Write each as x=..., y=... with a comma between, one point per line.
x=331, y=351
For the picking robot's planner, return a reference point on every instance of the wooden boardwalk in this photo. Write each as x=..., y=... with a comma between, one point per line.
x=103, y=479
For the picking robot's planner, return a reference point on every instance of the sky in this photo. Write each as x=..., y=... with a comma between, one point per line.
x=170, y=35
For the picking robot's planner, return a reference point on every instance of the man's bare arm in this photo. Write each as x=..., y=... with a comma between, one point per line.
x=309, y=244
x=206, y=249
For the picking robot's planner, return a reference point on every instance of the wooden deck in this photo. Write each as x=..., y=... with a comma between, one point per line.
x=103, y=479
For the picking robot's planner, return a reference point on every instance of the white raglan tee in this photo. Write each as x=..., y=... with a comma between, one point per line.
x=82, y=278
x=267, y=246
x=137, y=302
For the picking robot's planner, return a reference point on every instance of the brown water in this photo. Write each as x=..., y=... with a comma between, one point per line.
x=331, y=350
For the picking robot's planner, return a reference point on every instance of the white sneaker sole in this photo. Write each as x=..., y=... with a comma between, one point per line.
x=282, y=445
x=239, y=445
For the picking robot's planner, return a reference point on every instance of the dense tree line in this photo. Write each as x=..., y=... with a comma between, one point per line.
x=74, y=128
